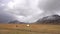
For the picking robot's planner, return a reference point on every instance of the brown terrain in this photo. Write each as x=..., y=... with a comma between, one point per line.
x=32, y=29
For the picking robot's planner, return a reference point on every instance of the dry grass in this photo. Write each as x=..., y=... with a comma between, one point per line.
x=32, y=29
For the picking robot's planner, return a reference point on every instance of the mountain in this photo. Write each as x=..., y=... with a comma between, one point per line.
x=15, y=22
x=53, y=19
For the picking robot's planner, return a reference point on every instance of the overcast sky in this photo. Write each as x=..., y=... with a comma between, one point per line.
x=27, y=10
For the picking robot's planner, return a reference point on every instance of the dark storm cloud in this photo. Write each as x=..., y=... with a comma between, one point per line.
x=5, y=17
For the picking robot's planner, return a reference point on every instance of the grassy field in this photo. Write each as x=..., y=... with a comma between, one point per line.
x=32, y=29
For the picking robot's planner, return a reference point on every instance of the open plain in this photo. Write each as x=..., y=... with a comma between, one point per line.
x=32, y=29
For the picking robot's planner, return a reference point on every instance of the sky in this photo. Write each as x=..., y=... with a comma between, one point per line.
x=28, y=11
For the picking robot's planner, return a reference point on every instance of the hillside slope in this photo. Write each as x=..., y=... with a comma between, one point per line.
x=53, y=19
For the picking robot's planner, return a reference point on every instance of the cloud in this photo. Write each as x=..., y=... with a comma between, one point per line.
x=51, y=5
x=5, y=17
x=25, y=11
x=28, y=10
